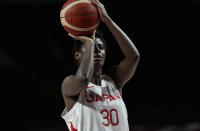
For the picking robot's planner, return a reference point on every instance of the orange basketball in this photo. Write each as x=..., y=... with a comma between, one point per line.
x=79, y=17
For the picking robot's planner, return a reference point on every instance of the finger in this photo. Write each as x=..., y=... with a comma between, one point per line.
x=74, y=37
x=93, y=35
x=94, y=2
x=70, y=35
x=97, y=1
x=80, y=38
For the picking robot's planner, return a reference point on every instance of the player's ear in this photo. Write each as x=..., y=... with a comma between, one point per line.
x=77, y=55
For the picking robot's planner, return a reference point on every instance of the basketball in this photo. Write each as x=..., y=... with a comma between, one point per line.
x=79, y=17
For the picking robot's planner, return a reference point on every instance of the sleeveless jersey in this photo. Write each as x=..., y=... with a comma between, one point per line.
x=99, y=108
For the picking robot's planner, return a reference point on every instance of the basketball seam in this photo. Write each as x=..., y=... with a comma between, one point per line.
x=79, y=25
x=82, y=8
x=71, y=14
x=92, y=13
x=80, y=15
x=81, y=29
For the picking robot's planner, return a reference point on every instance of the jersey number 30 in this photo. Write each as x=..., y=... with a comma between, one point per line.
x=110, y=117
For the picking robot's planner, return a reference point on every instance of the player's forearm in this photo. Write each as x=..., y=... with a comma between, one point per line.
x=86, y=67
x=126, y=45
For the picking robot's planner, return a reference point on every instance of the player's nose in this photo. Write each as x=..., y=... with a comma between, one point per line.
x=97, y=49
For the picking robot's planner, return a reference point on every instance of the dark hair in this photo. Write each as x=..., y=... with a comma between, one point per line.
x=76, y=47
x=100, y=35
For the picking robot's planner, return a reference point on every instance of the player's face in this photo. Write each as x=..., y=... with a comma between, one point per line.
x=99, y=53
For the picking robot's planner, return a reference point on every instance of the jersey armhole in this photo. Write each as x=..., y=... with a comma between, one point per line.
x=108, y=78
x=67, y=114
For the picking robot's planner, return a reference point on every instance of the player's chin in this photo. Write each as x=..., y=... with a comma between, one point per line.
x=98, y=63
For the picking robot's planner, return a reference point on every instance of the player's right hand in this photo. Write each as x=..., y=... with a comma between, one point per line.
x=101, y=9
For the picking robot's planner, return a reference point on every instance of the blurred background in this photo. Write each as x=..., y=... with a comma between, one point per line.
x=35, y=57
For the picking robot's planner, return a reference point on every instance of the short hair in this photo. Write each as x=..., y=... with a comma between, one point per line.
x=76, y=47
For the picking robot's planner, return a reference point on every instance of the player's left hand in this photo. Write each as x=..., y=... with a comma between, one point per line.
x=85, y=39
x=101, y=9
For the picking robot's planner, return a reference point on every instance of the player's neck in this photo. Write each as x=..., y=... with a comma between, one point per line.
x=96, y=78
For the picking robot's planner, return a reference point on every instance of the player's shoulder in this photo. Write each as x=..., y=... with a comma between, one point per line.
x=69, y=77
x=106, y=77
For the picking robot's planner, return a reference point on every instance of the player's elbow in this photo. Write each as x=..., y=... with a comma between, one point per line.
x=133, y=55
x=137, y=54
x=135, y=58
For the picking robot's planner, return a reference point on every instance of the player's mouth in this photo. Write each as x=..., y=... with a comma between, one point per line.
x=97, y=57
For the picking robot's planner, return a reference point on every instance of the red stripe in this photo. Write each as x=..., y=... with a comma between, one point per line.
x=89, y=86
x=72, y=128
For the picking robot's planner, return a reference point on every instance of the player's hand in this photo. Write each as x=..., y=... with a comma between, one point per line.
x=85, y=39
x=101, y=9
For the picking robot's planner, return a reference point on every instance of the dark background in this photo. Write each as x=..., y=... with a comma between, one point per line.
x=35, y=56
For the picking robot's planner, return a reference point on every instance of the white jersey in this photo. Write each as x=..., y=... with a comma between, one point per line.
x=99, y=108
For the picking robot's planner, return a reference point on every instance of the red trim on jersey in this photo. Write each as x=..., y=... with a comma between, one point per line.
x=89, y=86
x=72, y=128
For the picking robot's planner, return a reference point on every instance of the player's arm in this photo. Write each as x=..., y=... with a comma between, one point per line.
x=74, y=84
x=126, y=68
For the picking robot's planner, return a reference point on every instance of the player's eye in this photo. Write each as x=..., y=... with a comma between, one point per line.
x=101, y=47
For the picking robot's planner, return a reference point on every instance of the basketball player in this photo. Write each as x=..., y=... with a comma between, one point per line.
x=94, y=100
